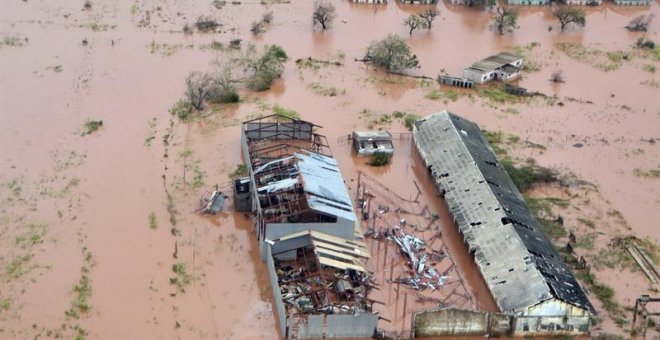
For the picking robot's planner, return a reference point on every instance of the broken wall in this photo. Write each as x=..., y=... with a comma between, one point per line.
x=277, y=296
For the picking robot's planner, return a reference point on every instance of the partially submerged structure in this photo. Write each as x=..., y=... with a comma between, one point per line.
x=295, y=184
x=456, y=81
x=367, y=143
x=524, y=273
x=504, y=66
x=320, y=287
x=528, y=2
x=632, y=2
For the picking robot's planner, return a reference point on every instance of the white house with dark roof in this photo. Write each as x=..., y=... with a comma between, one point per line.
x=504, y=66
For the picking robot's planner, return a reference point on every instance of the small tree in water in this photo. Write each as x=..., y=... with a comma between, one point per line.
x=262, y=69
x=569, y=15
x=391, y=53
x=505, y=18
x=429, y=16
x=414, y=22
x=324, y=13
x=198, y=89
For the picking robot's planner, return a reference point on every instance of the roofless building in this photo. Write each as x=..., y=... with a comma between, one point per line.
x=525, y=274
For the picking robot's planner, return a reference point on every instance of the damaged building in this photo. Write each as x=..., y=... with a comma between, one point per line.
x=503, y=66
x=295, y=183
x=523, y=271
x=367, y=143
x=320, y=286
x=306, y=229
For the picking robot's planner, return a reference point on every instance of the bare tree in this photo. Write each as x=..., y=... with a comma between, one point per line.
x=198, y=89
x=429, y=16
x=257, y=27
x=324, y=13
x=505, y=18
x=414, y=22
x=569, y=15
x=640, y=23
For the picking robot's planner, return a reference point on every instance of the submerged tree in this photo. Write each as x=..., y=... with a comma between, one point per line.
x=392, y=54
x=324, y=13
x=429, y=16
x=198, y=89
x=505, y=18
x=414, y=22
x=263, y=68
x=569, y=15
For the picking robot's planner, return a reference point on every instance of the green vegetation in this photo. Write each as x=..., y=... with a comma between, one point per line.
x=652, y=173
x=171, y=209
x=240, y=172
x=392, y=54
x=649, y=68
x=284, y=112
x=604, y=61
x=181, y=109
x=263, y=68
x=586, y=241
x=409, y=119
x=92, y=126
x=603, y=292
x=80, y=303
x=181, y=279
x=436, y=94
x=5, y=304
x=525, y=51
x=589, y=223
x=17, y=267
x=379, y=159
x=12, y=40
x=497, y=94
x=153, y=222
x=34, y=235
x=206, y=24
x=326, y=91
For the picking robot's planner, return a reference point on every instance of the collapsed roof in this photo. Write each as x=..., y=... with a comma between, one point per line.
x=516, y=259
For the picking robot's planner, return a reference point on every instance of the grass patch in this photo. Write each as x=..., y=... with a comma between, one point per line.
x=604, y=61
x=497, y=94
x=153, y=221
x=91, y=126
x=586, y=241
x=649, y=68
x=80, y=303
x=12, y=40
x=652, y=173
x=171, y=209
x=326, y=91
x=529, y=65
x=5, y=304
x=379, y=159
x=181, y=278
x=18, y=267
x=589, y=223
x=34, y=235
x=436, y=94
x=288, y=113
x=240, y=172
x=181, y=109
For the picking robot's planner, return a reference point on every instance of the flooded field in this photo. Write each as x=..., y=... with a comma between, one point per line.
x=98, y=232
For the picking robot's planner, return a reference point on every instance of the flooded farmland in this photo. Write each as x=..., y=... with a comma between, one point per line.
x=99, y=237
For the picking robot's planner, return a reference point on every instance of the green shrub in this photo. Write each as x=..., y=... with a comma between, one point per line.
x=409, y=120
x=181, y=109
x=380, y=159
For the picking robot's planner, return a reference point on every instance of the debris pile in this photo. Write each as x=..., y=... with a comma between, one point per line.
x=422, y=274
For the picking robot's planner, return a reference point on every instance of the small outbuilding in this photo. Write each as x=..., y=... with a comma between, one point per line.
x=504, y=66
x=367, y=143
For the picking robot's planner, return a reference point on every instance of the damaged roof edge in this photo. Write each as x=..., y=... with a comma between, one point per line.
x=464, y=151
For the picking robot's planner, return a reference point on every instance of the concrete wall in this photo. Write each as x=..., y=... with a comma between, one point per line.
x=450, y=321
x=277, y=297
x=458, y=322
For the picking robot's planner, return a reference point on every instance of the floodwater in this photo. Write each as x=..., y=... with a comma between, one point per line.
x=124, y=62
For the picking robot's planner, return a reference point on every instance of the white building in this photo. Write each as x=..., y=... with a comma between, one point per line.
x=503, y=66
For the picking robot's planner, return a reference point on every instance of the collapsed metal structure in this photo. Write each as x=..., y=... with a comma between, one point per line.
x=525, y=274
x=306, y=229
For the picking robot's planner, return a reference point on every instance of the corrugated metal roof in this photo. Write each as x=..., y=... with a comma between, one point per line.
x=334, y=251
x=494, y=62
x=324, y=185
x=380, y=135
x=517, y=260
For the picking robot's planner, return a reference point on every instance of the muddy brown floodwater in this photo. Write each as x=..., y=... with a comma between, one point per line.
x=98, y=235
